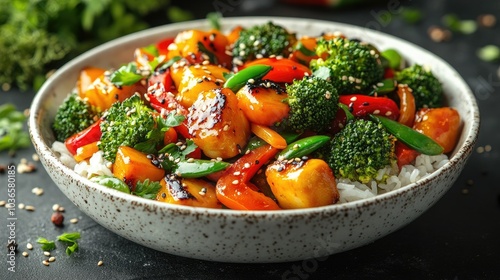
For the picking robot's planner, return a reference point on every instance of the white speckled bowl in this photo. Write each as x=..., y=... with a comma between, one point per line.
x=235, y=236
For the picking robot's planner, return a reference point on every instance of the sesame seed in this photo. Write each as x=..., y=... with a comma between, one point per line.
x=46, y=253
x=100, y=263
x=424, y=118
x=60, y=209
x=25, y=254
x=297, y=159
x=21, y=206
x=203, y=191
x=205, y=62
x=236, y=182
x=2, y=203
x=237, y=61
x=328, y=95
x=29, y=246
x=480, y=150
x=52, y=259
x=226, y=127
x=35, y=157
x=246, y=165
x=237, y=173
x=251, y=81
x=37, y=191
x=73, y=221
x=351, y=79
x=388, y=113
x=45, y=262
x=190, y=160
x=259, y=56
x=376, y=112
x=487, y=148
x=354, y=98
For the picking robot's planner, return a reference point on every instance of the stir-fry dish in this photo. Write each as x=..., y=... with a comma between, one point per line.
x=257, y=119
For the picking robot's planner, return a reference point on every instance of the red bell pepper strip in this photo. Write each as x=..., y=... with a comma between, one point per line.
x=362, y=105
x=338, y=122
x=284, y=70
x=90, y=134
x=388, y=73
x=164, y=102
x=163, y=77
x=404, y=154
x=162, y=46
x=234, y=189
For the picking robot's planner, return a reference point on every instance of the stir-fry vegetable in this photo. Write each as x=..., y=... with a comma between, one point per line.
x=244, y=122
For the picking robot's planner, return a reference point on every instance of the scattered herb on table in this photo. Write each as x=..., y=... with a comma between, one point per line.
x=70, y=238
x=47, y=245
x=12, y=135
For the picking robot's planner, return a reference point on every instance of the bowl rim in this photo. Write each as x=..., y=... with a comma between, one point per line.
x=45, y=151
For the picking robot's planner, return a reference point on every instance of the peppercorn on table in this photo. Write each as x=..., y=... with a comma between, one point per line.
x=456, y=238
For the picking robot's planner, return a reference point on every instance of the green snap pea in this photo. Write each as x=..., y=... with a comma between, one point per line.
x=348, y=114
x=412, y=138
x=256, y=142
x=303, y=147
x=239, y=79
x=385, y=86
x=199, y=167
x=111, y=182
x=393, y=58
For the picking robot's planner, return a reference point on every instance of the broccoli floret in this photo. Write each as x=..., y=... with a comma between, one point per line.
x=313, y=104
x=125, y=124
x=427, y=89
x=359, y=150
x=74, y=115
x=262, y=41
x=351, y=66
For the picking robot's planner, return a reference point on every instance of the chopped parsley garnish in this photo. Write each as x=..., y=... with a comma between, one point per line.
x=47, y=245
x=70, y=239
x=126, y=75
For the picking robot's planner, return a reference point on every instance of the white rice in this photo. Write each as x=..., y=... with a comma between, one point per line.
x=349, y=190
x=64, y=155
x=95, y=166
x=424, y=165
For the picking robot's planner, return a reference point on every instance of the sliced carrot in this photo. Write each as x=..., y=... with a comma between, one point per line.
x=267, y=134
x=86, y=151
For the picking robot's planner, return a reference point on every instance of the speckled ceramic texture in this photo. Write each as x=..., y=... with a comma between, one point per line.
x=236, y=236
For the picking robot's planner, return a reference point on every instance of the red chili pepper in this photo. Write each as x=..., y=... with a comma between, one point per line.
x=363, y=105
x=162, y=46
x=234, y=189
x=90, y=134
x=284, y=70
